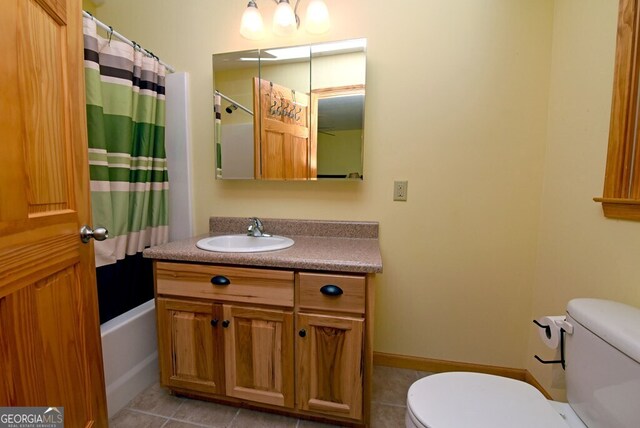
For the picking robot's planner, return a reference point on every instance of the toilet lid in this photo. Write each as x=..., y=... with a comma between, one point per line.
x=456, y=399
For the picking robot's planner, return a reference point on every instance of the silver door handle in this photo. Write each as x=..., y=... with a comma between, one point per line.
x=99, y=234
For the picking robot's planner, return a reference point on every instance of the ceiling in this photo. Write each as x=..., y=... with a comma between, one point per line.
x=341, y=113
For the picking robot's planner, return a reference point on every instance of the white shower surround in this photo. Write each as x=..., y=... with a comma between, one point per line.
x=130, y=355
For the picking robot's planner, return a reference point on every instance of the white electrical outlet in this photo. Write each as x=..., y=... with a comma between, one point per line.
x=400, y=190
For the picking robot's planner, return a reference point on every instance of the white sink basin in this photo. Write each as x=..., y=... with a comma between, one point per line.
x=244, y=243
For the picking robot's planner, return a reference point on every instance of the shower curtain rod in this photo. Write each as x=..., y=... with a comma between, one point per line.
x=122, y=38
x=240, y=106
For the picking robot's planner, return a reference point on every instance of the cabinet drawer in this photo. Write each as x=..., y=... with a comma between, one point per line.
x=230, y=284
x=341, y=293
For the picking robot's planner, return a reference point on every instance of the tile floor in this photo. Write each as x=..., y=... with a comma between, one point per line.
x=156, y=408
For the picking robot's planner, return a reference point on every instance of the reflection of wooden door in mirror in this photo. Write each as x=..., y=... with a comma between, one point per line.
x=283, y=149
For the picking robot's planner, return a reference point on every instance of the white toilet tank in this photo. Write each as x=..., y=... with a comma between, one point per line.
x=603, y=363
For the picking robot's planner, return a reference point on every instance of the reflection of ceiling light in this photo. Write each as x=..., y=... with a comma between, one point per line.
x=301, y=52
x=285, y=19
x=290, y=53
x=344, y=45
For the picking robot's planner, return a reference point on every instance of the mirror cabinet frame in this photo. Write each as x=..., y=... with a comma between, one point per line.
x=311, y=122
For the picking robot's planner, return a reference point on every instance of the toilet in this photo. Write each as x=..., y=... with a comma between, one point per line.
x=602, y=378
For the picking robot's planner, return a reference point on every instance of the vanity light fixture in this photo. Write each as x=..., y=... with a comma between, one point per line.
x=317, y=21
x=251, y=26
x=285, y=19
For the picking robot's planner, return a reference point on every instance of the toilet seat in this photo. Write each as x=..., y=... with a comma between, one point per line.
x=457, y=399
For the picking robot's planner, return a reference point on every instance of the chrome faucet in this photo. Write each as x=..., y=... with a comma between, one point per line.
x=256, y=228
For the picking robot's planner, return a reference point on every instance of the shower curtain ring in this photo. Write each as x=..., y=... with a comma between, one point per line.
x=110, y=34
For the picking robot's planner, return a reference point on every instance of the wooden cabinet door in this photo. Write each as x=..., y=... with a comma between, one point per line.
x=259, y=354
x=190, y=345
x=50, y=350
x=329, y=353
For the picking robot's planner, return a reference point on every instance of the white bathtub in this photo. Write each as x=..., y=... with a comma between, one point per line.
x=130, y=355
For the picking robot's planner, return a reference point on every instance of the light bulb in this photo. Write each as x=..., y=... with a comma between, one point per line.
x=251, y=26
x=317, y=21
x=284, y=20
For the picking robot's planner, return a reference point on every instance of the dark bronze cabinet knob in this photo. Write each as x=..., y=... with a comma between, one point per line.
x=220, y=281
x=331, y=290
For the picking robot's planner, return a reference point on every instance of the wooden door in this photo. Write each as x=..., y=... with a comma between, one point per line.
x=329, y=352
x=258, y=347
x=283, y=148
x=50, y=350
x=190, y=345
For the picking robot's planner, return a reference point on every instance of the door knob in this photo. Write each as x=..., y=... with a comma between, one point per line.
x=99, y=233
x=225, y=323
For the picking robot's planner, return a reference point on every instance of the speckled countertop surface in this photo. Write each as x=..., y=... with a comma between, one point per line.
x=319, y=245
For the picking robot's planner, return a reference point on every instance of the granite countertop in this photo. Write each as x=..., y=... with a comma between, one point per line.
x=319, y=245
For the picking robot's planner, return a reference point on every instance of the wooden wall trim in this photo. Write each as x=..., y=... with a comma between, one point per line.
x=623, y=209
x=439, y=366
x=621, y=194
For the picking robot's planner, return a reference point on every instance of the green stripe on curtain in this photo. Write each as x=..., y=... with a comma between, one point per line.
x=93, y=89
x=127, y=158
x=141, y=209
x=122, y=101
x=121, y=131
x=99, y=173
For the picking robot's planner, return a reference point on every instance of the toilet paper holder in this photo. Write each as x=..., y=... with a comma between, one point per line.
x=548, y=333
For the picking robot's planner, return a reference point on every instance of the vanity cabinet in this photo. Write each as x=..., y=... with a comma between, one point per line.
x=330, y=346
x=287, y=340
x=238, y=332
x=258, y=346
x=190, y=346
x=330, y=363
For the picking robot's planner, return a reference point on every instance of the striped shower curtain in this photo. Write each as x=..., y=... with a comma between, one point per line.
x=128, y=167
x=217, y=130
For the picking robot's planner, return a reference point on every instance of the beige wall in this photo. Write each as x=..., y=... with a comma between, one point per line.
x=89, y=6
x=457, y=95
x=580, y=253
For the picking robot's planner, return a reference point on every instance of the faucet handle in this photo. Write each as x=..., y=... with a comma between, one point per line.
x=258, y=223
x=256, y=228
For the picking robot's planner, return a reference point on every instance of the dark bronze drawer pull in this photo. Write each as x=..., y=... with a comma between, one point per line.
x=220, y=280
x=331, y=290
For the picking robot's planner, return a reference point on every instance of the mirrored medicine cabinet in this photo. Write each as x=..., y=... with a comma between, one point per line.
x=294, y=113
